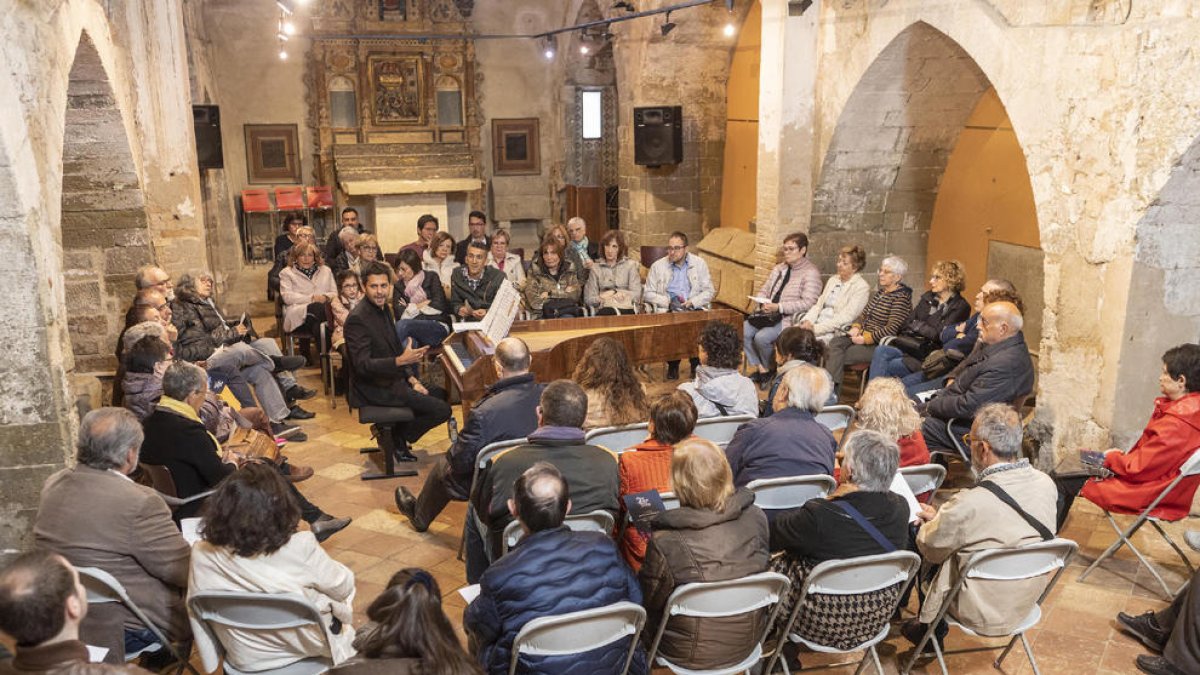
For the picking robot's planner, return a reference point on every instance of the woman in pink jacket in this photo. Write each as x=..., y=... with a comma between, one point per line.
x=792, y=288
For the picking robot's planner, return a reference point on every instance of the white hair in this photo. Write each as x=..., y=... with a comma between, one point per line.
x=808, y=387
x=872, y=460
x=896, y=264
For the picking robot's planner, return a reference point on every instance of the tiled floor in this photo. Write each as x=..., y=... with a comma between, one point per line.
x=1077, y=634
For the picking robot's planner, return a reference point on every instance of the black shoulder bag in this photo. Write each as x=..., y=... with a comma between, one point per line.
x=1003, y=496
x=761, y=319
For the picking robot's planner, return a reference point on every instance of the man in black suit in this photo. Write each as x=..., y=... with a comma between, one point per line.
x=382, y=372
x=477, y=224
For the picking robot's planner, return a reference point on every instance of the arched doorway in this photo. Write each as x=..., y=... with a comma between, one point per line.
x=105, y=237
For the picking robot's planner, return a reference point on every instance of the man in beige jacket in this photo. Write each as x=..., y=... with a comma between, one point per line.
x=975, y=520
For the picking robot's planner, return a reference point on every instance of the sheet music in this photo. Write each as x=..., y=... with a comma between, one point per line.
x=503, y=312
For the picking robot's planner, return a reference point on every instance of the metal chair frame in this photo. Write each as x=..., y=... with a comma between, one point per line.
x=790, y=492
x=924, y=478
x=715, y=428
x=103, y=588
x=164, y=483
x=234, y=610
x=841, y=412
x=594, y=521
x=625, y=434
x=575, y=625
x=486, y=454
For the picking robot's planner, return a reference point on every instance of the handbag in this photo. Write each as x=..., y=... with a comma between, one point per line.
x=761, y=319
x=556, y=308
x=912, y=345
x=938, y=363
x=250, y=444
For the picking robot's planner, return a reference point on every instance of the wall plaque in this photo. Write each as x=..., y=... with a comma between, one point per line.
x=515, y=149
x=272, y=153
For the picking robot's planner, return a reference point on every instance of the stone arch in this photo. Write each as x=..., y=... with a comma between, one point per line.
x=105, y=232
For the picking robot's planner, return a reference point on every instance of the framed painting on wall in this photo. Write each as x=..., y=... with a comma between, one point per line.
x=515, y=147
x=272, y=153
x=397, y=89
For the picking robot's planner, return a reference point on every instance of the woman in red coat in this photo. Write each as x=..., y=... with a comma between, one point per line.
x=886, y=408
x=647, y=466
x=1155, y=460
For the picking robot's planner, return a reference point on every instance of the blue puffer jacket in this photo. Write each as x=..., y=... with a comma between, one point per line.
x=552, y=572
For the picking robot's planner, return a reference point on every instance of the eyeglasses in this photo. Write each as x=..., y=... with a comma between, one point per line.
x=791, y=248
x=676, y=248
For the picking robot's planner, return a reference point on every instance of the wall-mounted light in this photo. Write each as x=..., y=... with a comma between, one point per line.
x=289, y=28
x=729, y=29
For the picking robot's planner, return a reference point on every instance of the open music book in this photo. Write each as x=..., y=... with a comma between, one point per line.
x=500, y=316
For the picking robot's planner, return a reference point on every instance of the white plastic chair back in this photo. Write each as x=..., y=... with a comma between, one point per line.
x=862, y=575
x=618, y=439
x=579, y=632
x=594, y=521
x=720, y=430
x=489, y=451
x=260, y=613
x=834, y=417
x=1192, y=466
x=670, y=501
x=923, y=478
x=1025, y=562
x=104, y=588
x=790, y=492
x=728, y=598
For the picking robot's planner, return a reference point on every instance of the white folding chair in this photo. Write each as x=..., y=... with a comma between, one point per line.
x=670, y=501
x=594, y=521
x=103, y=588
x=485, y=456
x=960, y=452
x=720, y=430
x=790, y=492
x=852, y=576
x=1125, y=537
x=256, y=613
x=999, y=565
x=723, y=598
x=618, y=439
x=923, y=477
x=580, y=632
x=837, y=417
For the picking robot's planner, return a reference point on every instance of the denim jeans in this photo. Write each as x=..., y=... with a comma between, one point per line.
x=887, y=362
x=759, y=344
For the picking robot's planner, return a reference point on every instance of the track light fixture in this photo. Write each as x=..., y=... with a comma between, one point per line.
x=668, y=25
x=549, y=48
x=285, y=7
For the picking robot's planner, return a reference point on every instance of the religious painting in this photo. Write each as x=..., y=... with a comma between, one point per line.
x=397, y=89
x=515, y=147
x=272, y=153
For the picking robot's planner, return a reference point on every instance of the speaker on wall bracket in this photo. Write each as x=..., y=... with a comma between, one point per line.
x=207, y=120
x=658, y=135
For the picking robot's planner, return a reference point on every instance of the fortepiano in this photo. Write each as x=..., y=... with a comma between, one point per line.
x=557, y=345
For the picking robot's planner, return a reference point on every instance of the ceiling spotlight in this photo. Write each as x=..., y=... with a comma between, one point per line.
x=282, y=37
x=283, y=55
x=729, y=29
x=584, y=49
x=549, y=48
x=668, y=26
x=289, y=28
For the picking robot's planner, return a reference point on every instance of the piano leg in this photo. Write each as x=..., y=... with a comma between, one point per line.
x=387, y=444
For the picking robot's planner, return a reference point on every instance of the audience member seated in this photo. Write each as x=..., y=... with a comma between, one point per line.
x=886, y=408
x=305, y=286
x=350, y=292
x=333, y=245
x=380, y=362
x=882, y=317
x=791, y=442
x=95, y=516
x=719, y=390
x=419, y=293
x=941, y=307
x=368, y=251
x=348, y=258
x=792, y=288
x=250, y=544
x=1170, y=437
x=716, y=534
x=291, y=223
x=577, y=239
x=552, y=571
x=843, y=298
x=507, y=411
x=439, y=258
x=427, y=228
x=408, y=632
x=42, y=604
x=500, y=258
x=862, y=518
x=1000, y=371
x=558, y=439
x=555, y=287
x=647, y=465
x=476, y=231
x=558, y=234
x=795, y=346
x=614, y=285
x=177, y=439
x=678, y=282
x=1172, y=632
x=976, y=519
x=473, y=286
x=304, y=235
x=145, y=361
x=616, y=396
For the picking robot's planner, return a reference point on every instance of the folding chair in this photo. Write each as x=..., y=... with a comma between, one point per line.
x=262, y=613
x=258, y=247
x=290, y=337
x=618, y=439
x=837, y=417
x=594, y=521
x=162, y=481
x=924, y=478
x=324, y=336
x=103, y=588
x=289, y=199
x=650, y=254
x=670, y=501
x=723, y=598
x=720, y=430
x=790, y=492
x=999, y=565
x=580, y=632
x=962, y=451
x=485, y=456
x=1125, y=537
x=852, y=576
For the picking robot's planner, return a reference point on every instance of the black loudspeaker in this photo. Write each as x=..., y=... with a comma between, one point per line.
x=207, y=119
x=658, y=135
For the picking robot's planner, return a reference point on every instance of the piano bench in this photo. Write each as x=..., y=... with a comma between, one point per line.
x=382, y=418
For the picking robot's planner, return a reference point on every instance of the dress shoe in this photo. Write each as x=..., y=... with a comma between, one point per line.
x=297, y=474
x=913, y=630
x=406, y=503
x=1145, y=628
x=299, y=393
x=291, y=432
x=672, y=371
x=1157, y=665
x=404, y=455
x=1192, y=537
x=298, y=413
x=326, y=526
x=288, y=362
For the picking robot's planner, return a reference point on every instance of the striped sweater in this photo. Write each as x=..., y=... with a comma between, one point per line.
x=884, y=314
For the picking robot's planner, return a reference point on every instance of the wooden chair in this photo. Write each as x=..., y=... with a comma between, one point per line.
x=651, y=253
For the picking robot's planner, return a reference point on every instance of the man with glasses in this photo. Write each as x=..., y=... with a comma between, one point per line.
x=427, y=228
x=678, y=282
x=882, y=317
x=152, y=277
x=477, y=231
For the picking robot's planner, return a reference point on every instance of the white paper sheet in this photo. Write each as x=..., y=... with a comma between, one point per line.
x=900, y=487
x=469, y=593
x=96, y=654
x=190, y=529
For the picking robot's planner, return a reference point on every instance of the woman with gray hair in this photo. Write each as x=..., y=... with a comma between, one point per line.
x=882, y=317
x=790, y=442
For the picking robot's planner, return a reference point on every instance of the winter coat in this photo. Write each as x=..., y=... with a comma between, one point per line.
x=142, y=391
x=186, y=448
x=444, y=270
x=913, y=450
x=820, y=530
x=541, y=287
x=507, y=411
x=694, y=545
x=1152, y=463
x=725, y=386
x=851, y=297
x=297, y=290
x=970, y=335
x=699, y=278
x=201, y=328
x=514, y=268
x=995, y=373
x=624, y=276
x=482, y=296
x=789, y=443
x=645, y=466
x=802, y=289
x=930, y=317
x=551, y=572
x=435, y=293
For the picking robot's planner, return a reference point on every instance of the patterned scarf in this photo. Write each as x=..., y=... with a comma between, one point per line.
x=310, y=272
x=414, y=290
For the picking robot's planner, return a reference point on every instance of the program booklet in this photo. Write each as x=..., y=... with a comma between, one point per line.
x=642, y=507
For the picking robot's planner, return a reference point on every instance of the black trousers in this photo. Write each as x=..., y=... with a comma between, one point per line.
x=429, y=410
x=1068, y=489
x=434, y=496
x=1182, y=619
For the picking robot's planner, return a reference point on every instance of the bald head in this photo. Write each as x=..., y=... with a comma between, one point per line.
x=512, y=357
x=999, y=321
x=541, y=497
